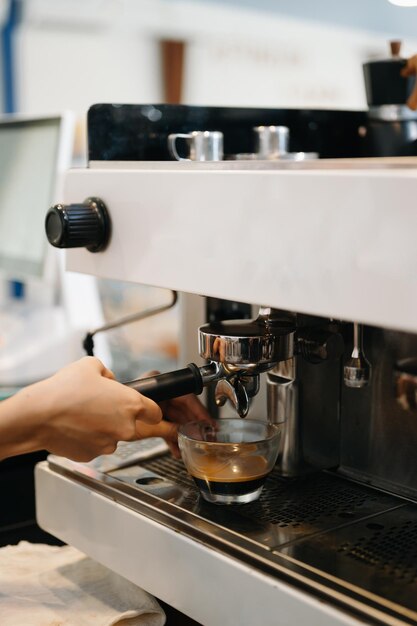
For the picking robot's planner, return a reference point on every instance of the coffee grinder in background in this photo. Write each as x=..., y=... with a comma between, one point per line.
x=392, y=127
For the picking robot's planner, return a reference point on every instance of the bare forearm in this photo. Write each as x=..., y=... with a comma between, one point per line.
x=79, y=412
x=20, y=424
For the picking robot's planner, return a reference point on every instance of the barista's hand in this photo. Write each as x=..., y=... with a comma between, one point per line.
x=80, y=412
x=166, y=430
x=179, y=410
x=411, y=70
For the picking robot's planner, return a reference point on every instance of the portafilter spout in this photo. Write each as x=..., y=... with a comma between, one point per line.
x=238, y=351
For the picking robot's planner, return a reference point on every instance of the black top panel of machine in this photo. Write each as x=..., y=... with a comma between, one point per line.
x=139, y=132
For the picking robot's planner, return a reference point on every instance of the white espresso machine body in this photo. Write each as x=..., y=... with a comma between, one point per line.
x=332, y=244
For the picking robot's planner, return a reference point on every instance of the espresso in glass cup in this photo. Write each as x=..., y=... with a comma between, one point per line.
x=229, y=461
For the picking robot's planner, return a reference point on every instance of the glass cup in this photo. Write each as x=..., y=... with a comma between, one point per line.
x=229, y=461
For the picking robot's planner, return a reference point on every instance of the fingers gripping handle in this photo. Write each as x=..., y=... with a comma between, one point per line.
x=170, y=385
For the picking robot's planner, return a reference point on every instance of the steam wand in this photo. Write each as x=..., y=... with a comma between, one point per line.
x=357, y=369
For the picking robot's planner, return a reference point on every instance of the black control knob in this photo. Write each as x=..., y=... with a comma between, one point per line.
x=85, y=225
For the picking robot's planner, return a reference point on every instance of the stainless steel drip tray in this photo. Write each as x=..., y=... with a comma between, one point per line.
x=352, y=544
x=286, y=511
x=378, y=555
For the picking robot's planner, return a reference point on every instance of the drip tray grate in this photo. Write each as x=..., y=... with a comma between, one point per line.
x=341, y=537
x=378, y=554
x=287, y=509
x=391, y=550
x=352, y=533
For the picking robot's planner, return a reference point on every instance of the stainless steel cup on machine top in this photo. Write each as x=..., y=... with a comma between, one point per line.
x=203, y=145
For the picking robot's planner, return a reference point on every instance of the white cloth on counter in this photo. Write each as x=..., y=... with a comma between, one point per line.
x=43, y=585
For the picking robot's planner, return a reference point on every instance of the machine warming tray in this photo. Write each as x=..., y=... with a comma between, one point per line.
x=338, y=539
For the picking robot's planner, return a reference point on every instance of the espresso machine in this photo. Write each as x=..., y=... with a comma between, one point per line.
x=298, y=297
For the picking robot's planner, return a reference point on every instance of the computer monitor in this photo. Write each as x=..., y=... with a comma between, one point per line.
x=33, y=153
x=42, y=329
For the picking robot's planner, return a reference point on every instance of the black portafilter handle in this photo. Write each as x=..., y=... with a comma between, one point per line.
x=170, y=385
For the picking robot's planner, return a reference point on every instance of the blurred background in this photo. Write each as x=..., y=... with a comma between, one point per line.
x=70, y=54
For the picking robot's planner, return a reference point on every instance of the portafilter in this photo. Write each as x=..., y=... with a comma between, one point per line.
x=237, y=351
